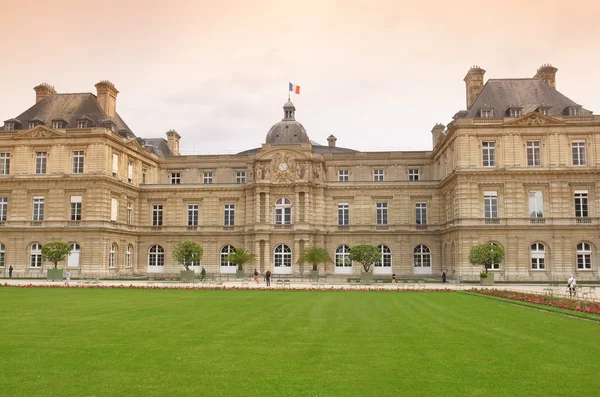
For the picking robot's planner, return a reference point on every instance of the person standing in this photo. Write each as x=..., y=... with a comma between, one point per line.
x=67, y=278
x=444, y=277
x=268, y=278
x=256, y=276
x=571, y=283
x=10, y=269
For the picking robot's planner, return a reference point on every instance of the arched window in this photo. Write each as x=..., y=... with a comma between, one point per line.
x=342, y=256
x=494, y=266
x=386, y=257
x=156, y=256
x=35, y=255
x=584, y=256
x=283, y=211
x=422, y=256
x=129, y=256
x=283, y=256
x=538, y=256
x=225, y=251
x=2, y=253
x=112, y=256
x=73, y=258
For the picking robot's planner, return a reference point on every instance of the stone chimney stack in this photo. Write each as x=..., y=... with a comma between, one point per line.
x=474, y=82
x=437, y=133
x=331, y=140
x=42, y=91
x=107, y=97
x=173, y=141
x=547, y=73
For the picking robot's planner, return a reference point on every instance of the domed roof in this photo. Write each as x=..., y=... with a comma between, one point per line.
x=288, y=130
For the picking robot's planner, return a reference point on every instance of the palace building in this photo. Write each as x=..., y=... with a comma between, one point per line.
x=518, y=167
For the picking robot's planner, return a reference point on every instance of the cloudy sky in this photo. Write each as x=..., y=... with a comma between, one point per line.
x=378, y=74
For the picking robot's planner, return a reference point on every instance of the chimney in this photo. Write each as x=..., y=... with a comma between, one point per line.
x=474, y=82
x=42, y=91
x=107, y=97
x=547, y=73
x=437, y=133
x=173, y=141
x=331, y=140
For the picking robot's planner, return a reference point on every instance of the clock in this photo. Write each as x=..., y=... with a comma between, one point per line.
x=283, y=167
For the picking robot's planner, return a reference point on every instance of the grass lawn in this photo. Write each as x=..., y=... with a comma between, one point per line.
x=120, y=342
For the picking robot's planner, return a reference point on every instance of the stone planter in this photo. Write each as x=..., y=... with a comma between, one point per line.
x=366, y=278
x=314, y=275
x=187, y=275
x=55, y=274
x=239, y=274
x=489, y=280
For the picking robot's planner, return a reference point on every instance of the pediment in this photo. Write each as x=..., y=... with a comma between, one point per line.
x=535, y=119
x=134, y=144
x=40, y=132
x=279, y=152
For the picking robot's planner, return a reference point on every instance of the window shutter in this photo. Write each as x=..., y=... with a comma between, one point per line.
x=114, y=209
x=115, y=167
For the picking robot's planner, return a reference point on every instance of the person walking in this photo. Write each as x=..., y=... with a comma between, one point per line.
x=393, y=278
x=67, y=278
x=571, y=283
x=268, y=278
x=444, y=277
x=202, y=274
x=10, y=269
x=256, y=276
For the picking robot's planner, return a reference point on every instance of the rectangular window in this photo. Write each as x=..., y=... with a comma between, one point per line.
x=382, y=213
x=578, y=148
x=38, y=209
x=56, y=124
x=544, y=111
x=533, y=154
x=115, y=165
x=240, y=177
x=192, y=214
x=581, y=203
x=490, y=204
x=3, y=208
x=208, y=178
x=40, y=162
x=229, y=215
x=486, y=113
x=144, y=171
x=421, y=213
x=176, y=178
x=536, y=204
x=343, y=214
x=157, y=215
x=4, y=163
x=489, y=154
x=130, y=172
x=31, y=124
x=515, y=112
x=574, y=111
x=343, y=175
x=129, y=213
x=76, y=208
x=413, y=174
x=78, y=161
x=81, y=124
x=114, y=209
x=377, y=175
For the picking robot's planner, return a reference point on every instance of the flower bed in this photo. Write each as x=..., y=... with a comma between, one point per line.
x=563, y=303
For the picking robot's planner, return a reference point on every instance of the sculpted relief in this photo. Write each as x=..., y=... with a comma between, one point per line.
x=283, y=167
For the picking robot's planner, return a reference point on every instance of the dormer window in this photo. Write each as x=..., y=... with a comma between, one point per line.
x=515, y=112
x=57, y=124
x=486, y=113
x=545, y=110
x=12, y=124
x=81, y=124
x=31, y=124
x=573, y=111
x=9, y=126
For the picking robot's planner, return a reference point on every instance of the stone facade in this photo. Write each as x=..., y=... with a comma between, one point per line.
x=525, y=180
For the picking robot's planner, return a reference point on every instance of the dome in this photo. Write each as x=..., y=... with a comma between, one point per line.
x=288, y=130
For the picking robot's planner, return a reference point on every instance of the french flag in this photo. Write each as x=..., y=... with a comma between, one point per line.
x=294, y=88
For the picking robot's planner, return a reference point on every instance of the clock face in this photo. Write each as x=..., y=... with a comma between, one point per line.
x=283, y=167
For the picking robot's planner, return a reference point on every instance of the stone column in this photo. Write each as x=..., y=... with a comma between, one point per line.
x=257, y=207
x=267, y=209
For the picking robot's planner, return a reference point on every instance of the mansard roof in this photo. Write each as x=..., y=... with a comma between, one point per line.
x=529, y=94
x=158, y=146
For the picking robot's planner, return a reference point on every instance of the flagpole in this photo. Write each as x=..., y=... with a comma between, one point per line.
x=289, y=92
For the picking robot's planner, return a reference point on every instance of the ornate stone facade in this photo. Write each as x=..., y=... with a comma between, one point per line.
x=526, y=181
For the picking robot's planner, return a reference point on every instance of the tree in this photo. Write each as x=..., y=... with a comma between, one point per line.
x=186, y=253
x=314, y=256
x=486, y=254
x=240, y=257
x=55, y=252
x=366, y=255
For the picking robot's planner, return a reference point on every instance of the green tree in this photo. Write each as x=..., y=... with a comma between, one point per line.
x=240, y=257
x=55, y=252
x=314, y=256
x=186, y=253
x=486, y=254
x=365, y=254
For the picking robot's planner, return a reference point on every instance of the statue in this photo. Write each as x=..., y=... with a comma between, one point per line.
x=317, y=171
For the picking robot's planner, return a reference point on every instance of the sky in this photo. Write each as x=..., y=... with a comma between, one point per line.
x=377, y=74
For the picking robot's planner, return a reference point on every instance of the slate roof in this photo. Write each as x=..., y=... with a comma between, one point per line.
x=529, y=94
x=158, y=146
x=70, y=108
x=317, y=148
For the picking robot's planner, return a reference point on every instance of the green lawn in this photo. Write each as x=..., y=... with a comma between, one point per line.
x=119, y=342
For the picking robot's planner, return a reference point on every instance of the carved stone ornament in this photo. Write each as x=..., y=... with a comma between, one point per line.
x=40, y=134
x=283, y=168
x=532, y=120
